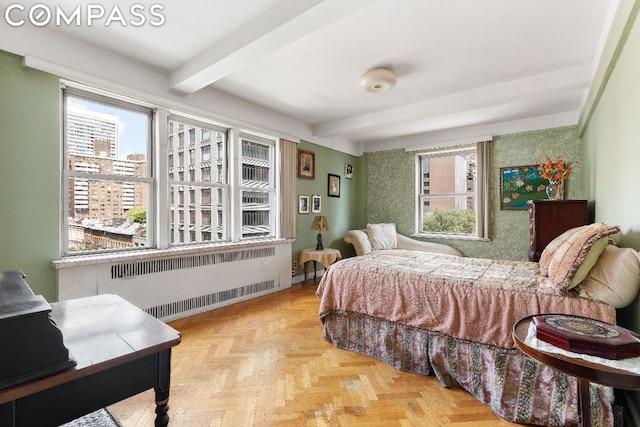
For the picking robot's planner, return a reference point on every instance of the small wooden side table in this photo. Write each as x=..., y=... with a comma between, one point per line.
x=584, y=370
x=326, y=257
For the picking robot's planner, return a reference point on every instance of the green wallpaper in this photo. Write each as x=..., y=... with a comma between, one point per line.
x=343, y=212
x=391, y=177
x=30, y=173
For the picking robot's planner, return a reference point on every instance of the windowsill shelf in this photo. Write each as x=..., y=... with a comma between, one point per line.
x=450, y=237
x=148, y=254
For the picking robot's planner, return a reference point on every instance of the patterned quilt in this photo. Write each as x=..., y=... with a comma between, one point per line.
x=453, y=317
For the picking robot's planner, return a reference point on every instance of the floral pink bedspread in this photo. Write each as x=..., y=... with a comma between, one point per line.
x=452, y=317
x=468, y=298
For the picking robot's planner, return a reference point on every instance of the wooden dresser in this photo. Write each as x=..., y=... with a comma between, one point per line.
x=550, y=218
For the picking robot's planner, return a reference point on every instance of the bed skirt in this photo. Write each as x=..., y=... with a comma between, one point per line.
x=516, y=387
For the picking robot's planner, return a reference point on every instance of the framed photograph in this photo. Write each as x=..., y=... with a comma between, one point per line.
x=334, y=185
x=303, y=204
x=316, y=203
x=519, y=184
x=348, y=171
x=306, y=164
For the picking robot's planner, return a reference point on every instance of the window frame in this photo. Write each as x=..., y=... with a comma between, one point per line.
x=190, y=124
x=272, y=188
x=481, y=191
x=159, y=214
x=78, y=92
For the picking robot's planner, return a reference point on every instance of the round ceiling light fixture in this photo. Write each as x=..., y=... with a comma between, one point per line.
x=378, y=80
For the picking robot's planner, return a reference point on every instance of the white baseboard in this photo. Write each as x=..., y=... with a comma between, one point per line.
x=300, y=278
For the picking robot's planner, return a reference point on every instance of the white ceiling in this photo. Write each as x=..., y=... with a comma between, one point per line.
x=460, y=63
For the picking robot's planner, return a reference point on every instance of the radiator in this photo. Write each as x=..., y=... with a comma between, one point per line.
x=177, y=285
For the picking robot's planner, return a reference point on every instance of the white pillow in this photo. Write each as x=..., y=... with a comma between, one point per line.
x=382, y=236
x=615, y=278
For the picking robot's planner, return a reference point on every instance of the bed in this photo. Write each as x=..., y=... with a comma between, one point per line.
x=452, y=317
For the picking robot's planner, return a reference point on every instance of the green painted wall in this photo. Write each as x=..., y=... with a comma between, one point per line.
x=612, y=156
x=29, y=173
x=391, y=177
x=612, y=146
x=343, y=213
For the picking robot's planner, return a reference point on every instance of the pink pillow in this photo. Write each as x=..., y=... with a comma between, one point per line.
x=565, y=254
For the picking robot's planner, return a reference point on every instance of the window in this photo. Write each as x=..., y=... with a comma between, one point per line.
x=106, y=179
x=219, y=188
x=206, y=153
x=200, y=188
x=451, y=191
x=257, y=189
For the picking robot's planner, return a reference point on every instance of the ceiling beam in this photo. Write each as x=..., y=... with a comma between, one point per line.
x=280, y=26
x=572, y=78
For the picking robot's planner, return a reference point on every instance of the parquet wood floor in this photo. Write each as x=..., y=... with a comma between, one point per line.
x=263, y=362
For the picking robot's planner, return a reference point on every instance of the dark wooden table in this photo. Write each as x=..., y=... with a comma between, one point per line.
x=585, y=371
x=120, y=351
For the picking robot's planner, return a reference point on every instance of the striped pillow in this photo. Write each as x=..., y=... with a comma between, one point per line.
x=565, y=254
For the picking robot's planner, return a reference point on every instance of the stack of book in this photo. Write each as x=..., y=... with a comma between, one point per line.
x=587, y=336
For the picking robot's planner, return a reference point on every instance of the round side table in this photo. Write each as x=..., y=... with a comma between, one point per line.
x=584, y=370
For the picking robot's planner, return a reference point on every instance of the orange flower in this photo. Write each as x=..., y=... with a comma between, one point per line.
x=555, y=170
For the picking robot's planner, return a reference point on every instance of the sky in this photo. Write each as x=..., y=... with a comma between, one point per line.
x=132, y=127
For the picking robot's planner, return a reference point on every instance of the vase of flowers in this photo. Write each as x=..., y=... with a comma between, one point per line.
x=556, y=171
x=555, y=189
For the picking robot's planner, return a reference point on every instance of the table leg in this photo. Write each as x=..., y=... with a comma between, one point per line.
x=304, y=268
x=162, y=416
x=584, y=403
x=315, y=270
x=162, y=389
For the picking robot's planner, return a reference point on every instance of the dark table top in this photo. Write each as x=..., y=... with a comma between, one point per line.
x=100, y=332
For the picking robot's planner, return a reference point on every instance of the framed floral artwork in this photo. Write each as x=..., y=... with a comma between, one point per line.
x=306, y=164
x=519, y=184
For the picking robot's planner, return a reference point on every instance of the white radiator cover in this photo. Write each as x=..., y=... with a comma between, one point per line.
x=177, y=284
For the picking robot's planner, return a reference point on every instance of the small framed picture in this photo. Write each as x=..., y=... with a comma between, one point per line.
x=334, y=185
x=303, y=204
x=348, y=171
x=306, y=164
x=316, y=203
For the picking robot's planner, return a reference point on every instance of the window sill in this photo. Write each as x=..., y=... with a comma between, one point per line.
x=444, y=236
x=150, y=254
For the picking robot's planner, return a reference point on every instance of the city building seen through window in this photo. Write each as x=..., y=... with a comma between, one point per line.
x=112, y=192
x=451, y=199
